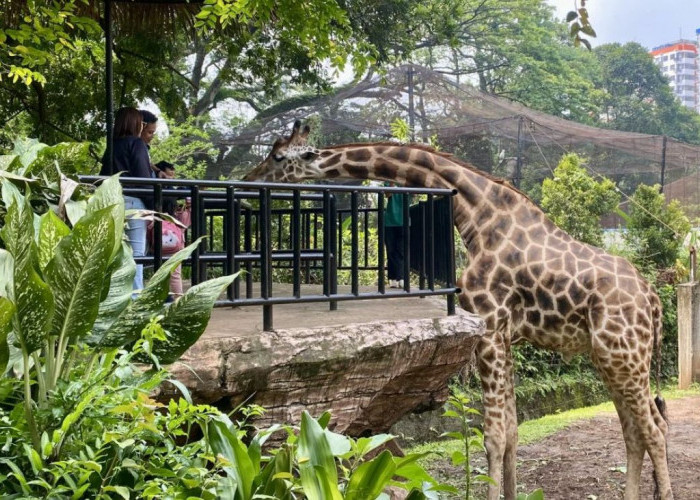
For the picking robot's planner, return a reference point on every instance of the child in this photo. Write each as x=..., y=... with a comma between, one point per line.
x=174, y=234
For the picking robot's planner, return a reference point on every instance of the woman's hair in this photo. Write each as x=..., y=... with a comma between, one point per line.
x=127, y=123
x=147, y=116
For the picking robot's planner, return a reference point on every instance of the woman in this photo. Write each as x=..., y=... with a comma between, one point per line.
x=130, y=155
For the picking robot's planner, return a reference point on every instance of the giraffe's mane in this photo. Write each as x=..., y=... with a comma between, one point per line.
x=432, y=150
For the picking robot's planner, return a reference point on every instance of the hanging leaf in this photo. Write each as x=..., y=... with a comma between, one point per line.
x=131, y=321
x=32, y=297
x=77, y=271
x=187, y=318
x=27, y=150
x=51, y=231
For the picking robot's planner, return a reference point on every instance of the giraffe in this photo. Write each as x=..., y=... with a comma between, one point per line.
x=529, y=281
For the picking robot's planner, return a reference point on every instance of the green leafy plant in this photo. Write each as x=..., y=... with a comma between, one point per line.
x=316, y=463
x=457, y=407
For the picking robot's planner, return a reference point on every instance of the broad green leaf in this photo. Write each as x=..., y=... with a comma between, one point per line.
x=77, y=271
x=109, y=194
x=27, y=150
x=408, y=468
x=75, y=210
x=317, y=468
x=7, y=310
x=340, y=444
x=224, y=442
x=32, y=297
x=370, y=478
x=365, y=445
x=119, y=284
x=131, y=321
x=122, y=491
x=187, y=318
x=51, y=232
x=6, y=161
x=10, y=193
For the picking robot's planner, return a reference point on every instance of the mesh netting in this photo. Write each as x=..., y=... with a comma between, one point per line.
x=496, y=135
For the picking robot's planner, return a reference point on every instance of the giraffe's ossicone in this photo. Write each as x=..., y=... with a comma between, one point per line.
x=530, y=281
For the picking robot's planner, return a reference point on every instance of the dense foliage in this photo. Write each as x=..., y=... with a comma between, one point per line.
x=655, y=230
x=575, y=201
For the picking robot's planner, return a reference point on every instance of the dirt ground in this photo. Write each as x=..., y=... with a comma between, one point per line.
x=587, y=460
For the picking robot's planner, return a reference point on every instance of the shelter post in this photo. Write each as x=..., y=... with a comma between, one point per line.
x=109, y=83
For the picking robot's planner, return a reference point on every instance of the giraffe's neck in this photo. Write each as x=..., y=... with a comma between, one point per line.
x=483, y=203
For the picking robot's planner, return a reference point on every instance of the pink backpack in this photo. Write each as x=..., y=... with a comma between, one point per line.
x=173, y=237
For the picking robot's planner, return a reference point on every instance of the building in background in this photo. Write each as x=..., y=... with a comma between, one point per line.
x=679, y=62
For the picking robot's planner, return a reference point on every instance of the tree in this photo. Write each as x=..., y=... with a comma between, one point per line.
x=655, y=230
x=638, y=97
x=575, y=201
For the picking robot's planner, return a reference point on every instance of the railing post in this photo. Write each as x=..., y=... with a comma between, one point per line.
x=296, y=243
x=196, y=233
x=355, y=242
x=157, y=228
x=248, y=248
x=230, y=229
x=451, y=256
x=381, y=236
x=335, y=256
x=430, y=235
x=265, y=229
x=406, y=243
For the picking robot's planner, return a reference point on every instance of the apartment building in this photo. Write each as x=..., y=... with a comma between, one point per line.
x=679, y=62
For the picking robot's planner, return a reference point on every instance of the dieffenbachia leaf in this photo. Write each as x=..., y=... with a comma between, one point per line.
x=51, y=231
x=109, y=194
x=33, y=299
x=119, y=289
x=187, y=318
x=132, y=320
x=77, y=271
x=7, y=310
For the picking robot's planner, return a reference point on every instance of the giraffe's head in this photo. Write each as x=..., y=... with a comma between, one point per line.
x=290, y=160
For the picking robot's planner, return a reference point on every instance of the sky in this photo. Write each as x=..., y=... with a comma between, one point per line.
x=648, y=22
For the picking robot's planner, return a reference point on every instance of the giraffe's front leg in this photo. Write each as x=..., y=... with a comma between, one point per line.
x=500, y=425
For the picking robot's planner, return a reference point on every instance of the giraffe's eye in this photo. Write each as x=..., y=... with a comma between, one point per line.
x=309, y=155
x=278, y=157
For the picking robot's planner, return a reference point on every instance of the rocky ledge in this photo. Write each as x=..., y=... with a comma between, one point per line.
x=368, y=375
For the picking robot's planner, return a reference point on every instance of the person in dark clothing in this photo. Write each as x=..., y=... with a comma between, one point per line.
x=130, y=155
x=150, y=123
x=394, y=238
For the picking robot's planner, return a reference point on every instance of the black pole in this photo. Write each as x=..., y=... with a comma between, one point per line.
x=663, y=164
x=519, y=160
x=109, y=87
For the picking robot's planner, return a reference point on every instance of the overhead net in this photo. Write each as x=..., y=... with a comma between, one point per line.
x=496, y=135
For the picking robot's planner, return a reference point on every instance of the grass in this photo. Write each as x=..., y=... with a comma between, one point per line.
x=538, y=429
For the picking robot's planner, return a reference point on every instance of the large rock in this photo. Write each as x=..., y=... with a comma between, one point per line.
x=368, y=375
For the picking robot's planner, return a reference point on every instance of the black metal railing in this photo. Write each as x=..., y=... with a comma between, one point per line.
x=300, y=231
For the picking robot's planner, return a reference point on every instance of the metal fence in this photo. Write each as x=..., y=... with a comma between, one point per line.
x=259, y=228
